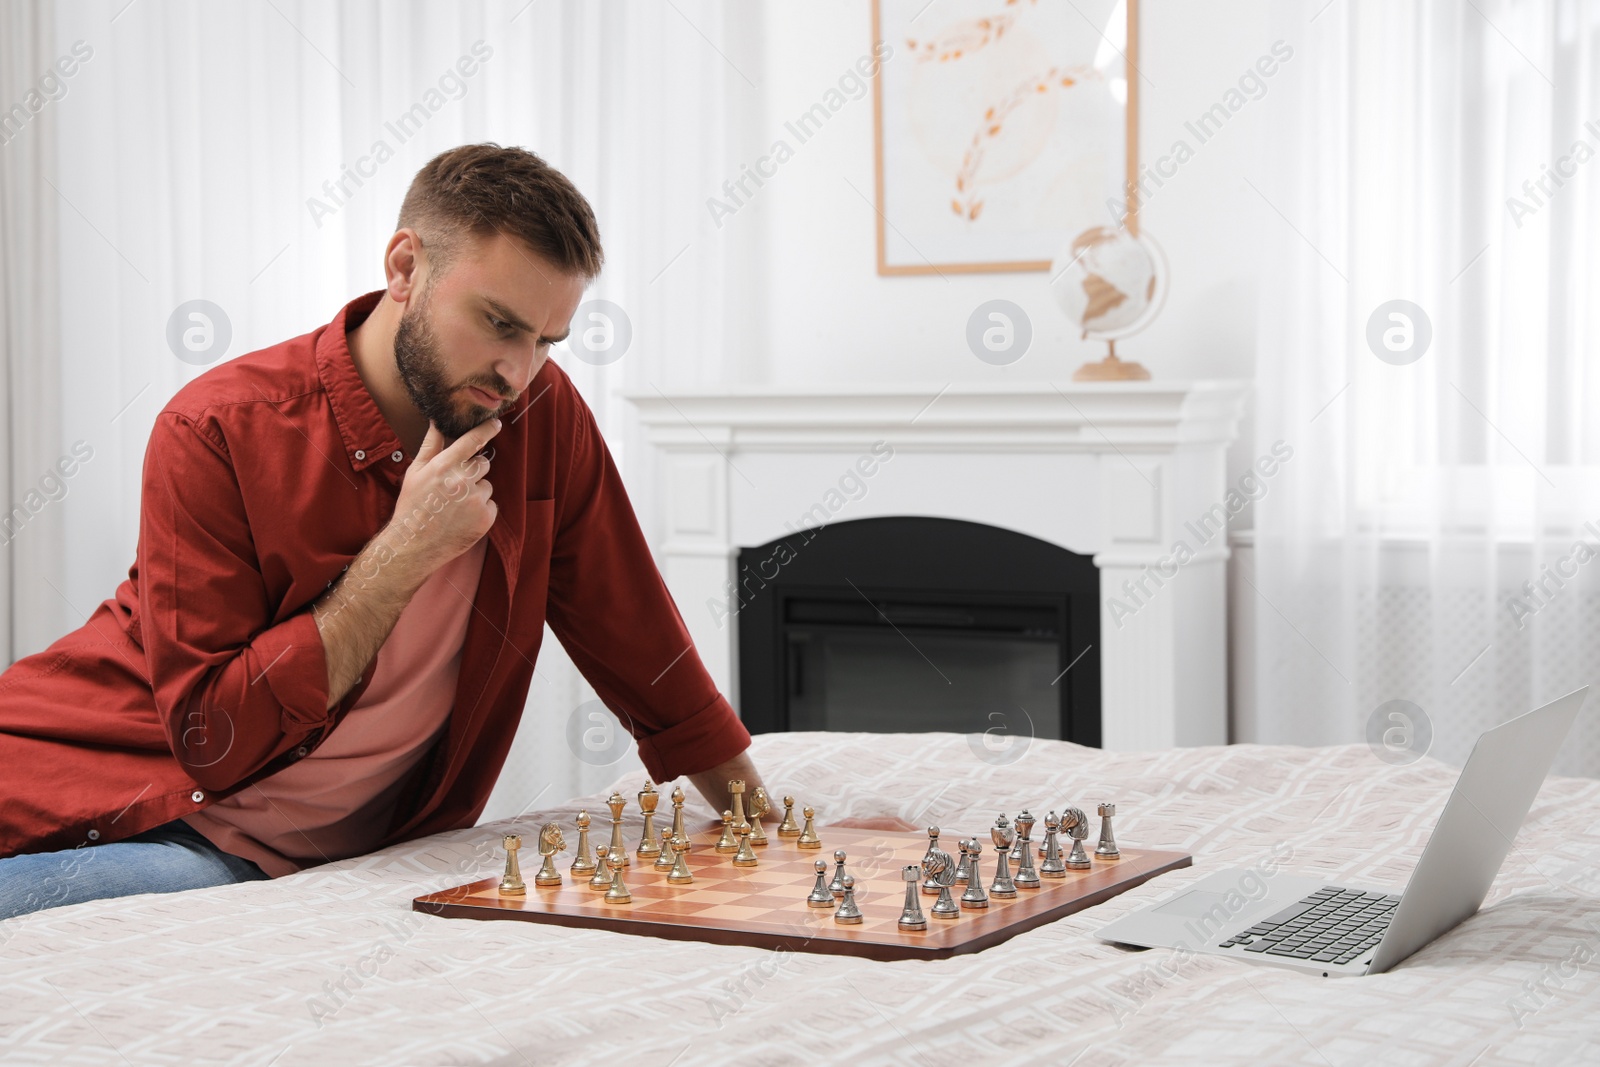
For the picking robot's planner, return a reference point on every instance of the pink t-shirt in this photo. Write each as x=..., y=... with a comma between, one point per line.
x=336, y=802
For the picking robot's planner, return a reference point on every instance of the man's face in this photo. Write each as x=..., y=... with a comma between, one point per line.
x=487, y=324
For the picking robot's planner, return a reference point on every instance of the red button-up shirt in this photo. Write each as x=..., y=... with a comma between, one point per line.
x=205, y=673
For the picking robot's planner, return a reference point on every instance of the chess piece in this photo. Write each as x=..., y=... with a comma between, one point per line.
x=727, y=842
x=617, y=891
x=677, y=814
x=736, y=788
x=648, y=799
x=664, y=857
x=848, y=913
x=512, y=884
x=821, y=896
x=759, y=806
x=601, y=879
x=1076, y=824
x=1052, y=867
x=940, y=868
x=911, y=917
x=581, y=863
x=616, y=804
x=1107, y=848
x=1024, y=824
x=964, y=868
x=1003, y=837
x=680, y=873
x=745, y=856
x=788, y=827
x=974, y=897
x=550, y=842
x=930, y=885
x=808, y=837
x=1026, y=877
x=836, y=887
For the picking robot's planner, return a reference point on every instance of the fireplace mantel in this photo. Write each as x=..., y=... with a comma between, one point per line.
x=1119, y=471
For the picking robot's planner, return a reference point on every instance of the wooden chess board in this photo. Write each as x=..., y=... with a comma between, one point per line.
x=765, y=906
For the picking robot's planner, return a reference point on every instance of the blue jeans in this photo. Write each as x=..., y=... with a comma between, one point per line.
x=166, y=859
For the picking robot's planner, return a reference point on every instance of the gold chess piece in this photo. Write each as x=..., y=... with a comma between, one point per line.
x=727, y=842
x=745, y=856
x=512, y=884
x=617, y=891
x=677, y=814
x=550, y=842
x=736, y=787
x=581, y=863
x=664, y=853
x=601, y=879
x=808, y=836
x=648, y=798
x=616, y=804
x=788, y=827
x=759, y=806
x=680, y=874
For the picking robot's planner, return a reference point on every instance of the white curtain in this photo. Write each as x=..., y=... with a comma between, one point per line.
x=183, y=161
x=1404, y=160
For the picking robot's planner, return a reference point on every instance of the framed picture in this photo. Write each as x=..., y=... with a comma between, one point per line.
x=1002, y=129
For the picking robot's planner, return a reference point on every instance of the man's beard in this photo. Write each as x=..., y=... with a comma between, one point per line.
x=416, y=357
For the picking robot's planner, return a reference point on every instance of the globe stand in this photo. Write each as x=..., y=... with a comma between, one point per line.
x=1111, y=369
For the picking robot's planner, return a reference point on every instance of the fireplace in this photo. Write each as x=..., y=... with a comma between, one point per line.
x=911, y=624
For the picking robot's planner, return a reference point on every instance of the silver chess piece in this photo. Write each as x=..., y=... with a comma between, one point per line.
x=963, y=873
x=940, y=868
x=848, y=912
x=821, y=896
x=974, y=897
x=1076, y=824
x=1004, y=837
x=1026, y=877
x=1052, y=867
x=911, y=917
x=929, y=885
x=1107, y=848
x=836, y=887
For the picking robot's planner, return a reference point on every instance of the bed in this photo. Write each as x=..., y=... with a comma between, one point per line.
x=333, y=966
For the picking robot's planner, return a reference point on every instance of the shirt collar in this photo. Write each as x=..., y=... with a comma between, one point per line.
x=368, y=437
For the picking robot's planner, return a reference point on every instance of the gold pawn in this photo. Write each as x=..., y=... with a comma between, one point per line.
x=581, y=863
x=808, y=836
x=759, y=806
x=746, y=856
x=788, y=827
x=512, y=884
x=617, y=891
x=664, y=858
x=677, y=814
x=681, y=875
x=727, y=843
x=648, y=798
x=601, y=879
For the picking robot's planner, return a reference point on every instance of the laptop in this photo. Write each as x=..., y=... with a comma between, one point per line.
x=1312, y=925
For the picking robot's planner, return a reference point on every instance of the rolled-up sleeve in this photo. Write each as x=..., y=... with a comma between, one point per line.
x=234, y=685
x=612, y=612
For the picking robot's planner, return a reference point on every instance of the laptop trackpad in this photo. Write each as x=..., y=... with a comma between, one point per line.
x=1198, y=903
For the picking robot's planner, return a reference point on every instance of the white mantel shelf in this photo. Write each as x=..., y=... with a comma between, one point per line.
x=1116, y=470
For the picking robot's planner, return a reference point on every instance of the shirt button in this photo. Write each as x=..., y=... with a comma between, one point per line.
x=301, y=751
x=197, y=796
x=360, y=454
x=94, y=835
x=397, y=456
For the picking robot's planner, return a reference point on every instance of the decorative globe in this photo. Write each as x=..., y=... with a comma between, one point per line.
x=1109, y=282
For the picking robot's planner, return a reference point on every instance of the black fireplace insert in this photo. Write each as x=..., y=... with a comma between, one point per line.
x=913, y=624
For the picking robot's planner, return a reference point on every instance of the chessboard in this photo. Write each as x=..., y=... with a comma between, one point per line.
x=765, y=906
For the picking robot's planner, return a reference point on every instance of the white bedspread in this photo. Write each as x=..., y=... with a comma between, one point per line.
x=249, y=974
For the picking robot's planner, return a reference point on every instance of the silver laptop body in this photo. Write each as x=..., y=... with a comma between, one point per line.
x=1314, y=925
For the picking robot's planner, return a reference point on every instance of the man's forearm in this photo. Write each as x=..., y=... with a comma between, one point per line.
x=356, y=616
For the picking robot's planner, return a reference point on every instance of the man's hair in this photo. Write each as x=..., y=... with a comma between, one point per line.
x=479, y=190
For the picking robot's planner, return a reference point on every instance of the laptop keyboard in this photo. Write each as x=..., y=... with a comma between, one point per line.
x=1332, y=925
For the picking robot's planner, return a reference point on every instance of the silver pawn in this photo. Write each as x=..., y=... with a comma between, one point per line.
x=1076, y=824
x=1026, y=877
x=974, y=897
x=848, y=912
x=1107, y=848
x=964, y=868
x=836, y=887
x=1004, y=837
x=1052, y=867
x=821, y=896
x=911, y=917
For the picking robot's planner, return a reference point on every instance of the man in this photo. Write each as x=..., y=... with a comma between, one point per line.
x=349, y=545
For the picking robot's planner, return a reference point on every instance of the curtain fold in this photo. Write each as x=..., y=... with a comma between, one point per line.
x=1433, y=545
